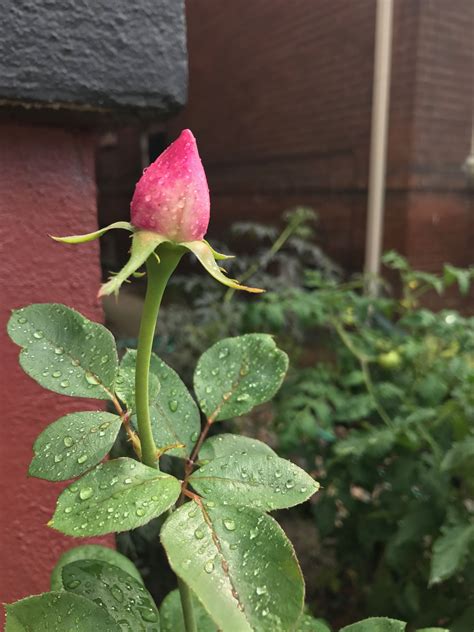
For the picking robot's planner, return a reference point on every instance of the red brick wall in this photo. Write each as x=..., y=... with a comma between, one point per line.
x=280, y=100
x=441, y=208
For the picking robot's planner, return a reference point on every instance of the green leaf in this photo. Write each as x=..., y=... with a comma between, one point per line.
x=376, y=624
x=460, y=455
x=125, y=599
x=58, y=611
x=228, y=444
x=265, y=482
x=463, y=277
x=237, y=374
x=171, y=615
x=115, y=496
x=63, y=351
x=143, y=245
x=450, y=552
x=175, y=417
x=307, y=623
x=73, y=444
x=377, y=442
x=239, y=563
x=92, y=552
x=125, y=382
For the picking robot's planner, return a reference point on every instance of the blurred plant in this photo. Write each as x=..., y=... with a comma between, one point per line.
x=385, y=416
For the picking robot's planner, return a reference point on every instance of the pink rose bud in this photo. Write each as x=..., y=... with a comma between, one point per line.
x=172, y=196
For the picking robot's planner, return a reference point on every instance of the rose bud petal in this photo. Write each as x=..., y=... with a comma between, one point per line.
x=172, y=196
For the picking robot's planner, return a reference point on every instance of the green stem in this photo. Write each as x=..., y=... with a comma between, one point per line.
x=276, y=246
x=158, y=275
x=364, y=365
x=187, y=606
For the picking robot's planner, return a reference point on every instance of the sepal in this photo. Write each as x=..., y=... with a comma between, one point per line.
x=206, y=257
x=143, y=245
x=81, y=239
x=218, y=256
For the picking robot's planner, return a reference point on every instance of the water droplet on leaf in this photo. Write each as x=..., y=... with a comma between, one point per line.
x=209, y=566
x=229, y=524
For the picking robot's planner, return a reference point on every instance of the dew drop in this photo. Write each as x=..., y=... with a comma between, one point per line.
x=229, y=524
x=199, y=533
x=140, y=512
x=38, y=335
x=74, y=583
x=68, y=441
x=58, y=350
x=117, y=593
x=82, y=459
x=58, y=458
x=64, y=384
x=209, y=566
x=91, y=379
x=22, y=320
x=56, y=374
x=85, y=493
x=127, y=481
x=173, y=405
x=253, y=533
x=148, y=615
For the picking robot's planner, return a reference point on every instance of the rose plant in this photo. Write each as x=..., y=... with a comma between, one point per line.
x=235, y=568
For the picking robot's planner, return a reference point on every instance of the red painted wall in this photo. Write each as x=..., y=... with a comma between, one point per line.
x=47, y=185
